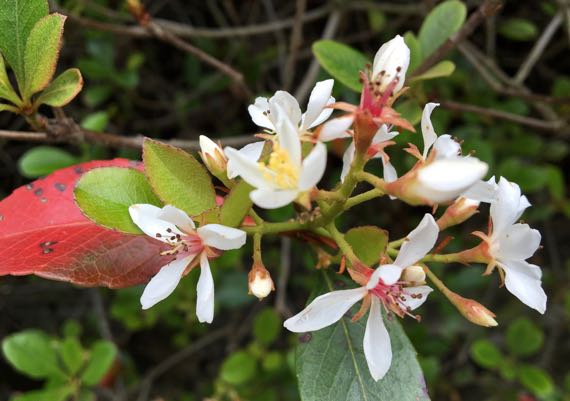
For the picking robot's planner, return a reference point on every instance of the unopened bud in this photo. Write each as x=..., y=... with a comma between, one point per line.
x=472, y=310
x=260, y=282
x=391, y=63
x=213, y=156
x=462, y=209
x=414, y=274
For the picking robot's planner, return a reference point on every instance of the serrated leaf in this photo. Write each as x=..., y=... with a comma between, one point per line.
x=42, y=52
x=44, y=160
x=105, y=194
x=6, y=90
x=536, y=380
x=63, y=89
x=518, y=29
x=524, y=338
x=442, y=22
x=331, y=365
x=17, y=18
x=442, y=69
x=31, y=353
x=415, y=50
x=368, y=243
x=486, y=354
x=341, y=61
x=101, y=359
x=178, y=178
x=236, y=205
x=49, y=394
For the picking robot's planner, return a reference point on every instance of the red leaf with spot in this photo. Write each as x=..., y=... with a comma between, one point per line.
x=43, y=232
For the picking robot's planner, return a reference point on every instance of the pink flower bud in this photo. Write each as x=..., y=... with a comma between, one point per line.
x=260, y=282
x=472, y=310
x=462, y=209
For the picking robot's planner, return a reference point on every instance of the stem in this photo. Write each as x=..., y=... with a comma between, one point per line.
x=363, y=197
x=257, y=249
x=376, y=182
x=343, y=244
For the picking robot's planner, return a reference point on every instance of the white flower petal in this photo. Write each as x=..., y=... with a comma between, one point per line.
x=482, y=191
x=509, y=205
x=164, y=282
x=522, y=279
x=325, y=114
x=347, y=159
x=390, y=173
x=324, y=310
x=258, y=112
x=414, y=297
x=288, y=136
x=222, y=237
x=273, y=198
x=445, y=147
x=517, y=242
x=313, y=167
x=248, y=169
x=382, y=135
x=389, y=274
x=252, y=151
x=336, y=128
x=147, y=218
x=418, y=243
x=205, y=292
x=428, y=132
x=178, y=217
x=376, y=344
x=445, y=179
x=208, y=146
x=288, y=104
x=320, y=97
x=391, y=61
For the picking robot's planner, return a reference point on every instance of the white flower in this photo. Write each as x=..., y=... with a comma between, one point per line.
x=212, y=155
x=263, y=114
x=391, y=63
x=384, y=287
x=286, y=175
x=175, y=228
x=510, y=244
x=250, y=151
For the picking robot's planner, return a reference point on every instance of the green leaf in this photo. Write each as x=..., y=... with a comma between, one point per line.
x=410, y=110
x=50, y=394
x=105, y=194
x=31, y=353
x=416, y=56
x=239, y=368
x=368, y=243
x=178, y=178
x=101, y=359
x=266, y=326
x=555, y=182
x=442, y=69
x=486, y=354
x=6, y=90
x=96, y=122
x=536, y=380
x=63, y=89
x=236, y=205
x=442, y=22
x=42, y=52
x=331, y=365
x=341, y=61
x=44, y=160
x=72, y=354
x=524, y=338
x=17, y=18
x=518, y=29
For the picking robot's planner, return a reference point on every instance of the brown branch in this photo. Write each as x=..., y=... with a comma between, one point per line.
x=486, y=10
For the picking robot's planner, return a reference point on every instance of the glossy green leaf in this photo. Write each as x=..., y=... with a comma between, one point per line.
x=266, y=326
x=49, y=394
x=442, y=69
x=518, y=29
x=63, y=89
x=341, y=61
x=31, y=353
x=42, y=52
x=331, y=365
x=44, y=160
x=416, y=56
x=71, y=353
x=105, y=194
x=442, y=22
x=236, y=205
x=17, y=18
x=536, y=380
x=6, y=89
x=101, y=359
x=524, y=337
x=368, y=243
x=178, y=178
x=486, y=354
x=239, y=368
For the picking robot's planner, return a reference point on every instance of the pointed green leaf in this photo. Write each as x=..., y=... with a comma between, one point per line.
x=44, y=160
x=341, y=61
x=236, y=205
x=101, y=359
x=442, y=69
x=331, y=365
x=178, y=178
x=17, y=18
x=105, y=194
x=6, y=90
x=368, y=243
x=63, y=89
x=518, y=29
x=442, y=22
x=42, y=52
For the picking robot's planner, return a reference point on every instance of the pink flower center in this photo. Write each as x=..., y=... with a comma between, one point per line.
x=182, y=245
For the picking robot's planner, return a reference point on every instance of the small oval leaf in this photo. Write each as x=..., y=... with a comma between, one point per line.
x=442, y=22
x=341, y=61
x=63, y=89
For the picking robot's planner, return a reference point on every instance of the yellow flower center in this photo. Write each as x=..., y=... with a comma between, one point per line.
x=281, y=171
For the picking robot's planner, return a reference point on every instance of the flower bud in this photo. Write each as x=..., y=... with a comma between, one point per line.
x=260, y=282
x=414, y=274
x=391, y=62
x=462, y=209
x=213, y=156
x=472, y=310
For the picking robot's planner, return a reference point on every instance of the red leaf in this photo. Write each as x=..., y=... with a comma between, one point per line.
x=43, y=232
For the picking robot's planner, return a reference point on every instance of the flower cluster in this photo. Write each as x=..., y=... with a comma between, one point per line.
x=286, y=164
